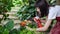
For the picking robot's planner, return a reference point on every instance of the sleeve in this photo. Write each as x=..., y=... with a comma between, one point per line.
x=52, y=13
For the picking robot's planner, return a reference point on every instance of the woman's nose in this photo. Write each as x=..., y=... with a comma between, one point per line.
x=38, y=10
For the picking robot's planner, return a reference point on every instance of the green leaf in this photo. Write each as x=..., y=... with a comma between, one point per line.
x=9, y=25
x=26, y=11
x=14, y=31
x=6, y=31
x=29, y=32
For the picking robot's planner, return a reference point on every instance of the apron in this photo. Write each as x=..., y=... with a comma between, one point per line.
x=56, y=28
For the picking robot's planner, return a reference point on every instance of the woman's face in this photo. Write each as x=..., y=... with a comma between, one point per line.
x=38, y=10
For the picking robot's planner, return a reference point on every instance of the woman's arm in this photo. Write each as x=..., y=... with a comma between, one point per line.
x=43, y=21
x=47, y=24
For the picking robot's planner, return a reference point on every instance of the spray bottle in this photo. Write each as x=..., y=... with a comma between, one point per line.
x=37, y=20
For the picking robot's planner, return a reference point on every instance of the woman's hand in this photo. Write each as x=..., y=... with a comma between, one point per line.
x=34, y=19
x=47, y=24
x=42, y=20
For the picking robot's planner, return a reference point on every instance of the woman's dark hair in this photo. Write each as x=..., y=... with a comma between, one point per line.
x=43, y=6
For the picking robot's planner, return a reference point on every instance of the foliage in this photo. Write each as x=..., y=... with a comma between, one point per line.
x=7, y=27
x=32, y=25
x=27, y=10
x=3, y=30
x=20, y=2
x=14, y=31
x=23, y=30
x=5, y=6
x=52, y=2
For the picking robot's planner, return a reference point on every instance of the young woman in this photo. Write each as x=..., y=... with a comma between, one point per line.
x=54, y=13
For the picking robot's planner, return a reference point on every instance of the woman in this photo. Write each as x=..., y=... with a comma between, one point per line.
x=53, y=14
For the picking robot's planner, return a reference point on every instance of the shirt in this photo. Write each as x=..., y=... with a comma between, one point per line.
x=54, y=12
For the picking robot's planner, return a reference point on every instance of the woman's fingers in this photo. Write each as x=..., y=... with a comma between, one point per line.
x=34, y=19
